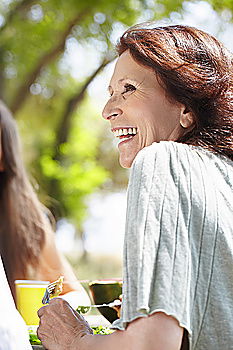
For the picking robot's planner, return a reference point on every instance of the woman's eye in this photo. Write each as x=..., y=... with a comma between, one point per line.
x=128, y=87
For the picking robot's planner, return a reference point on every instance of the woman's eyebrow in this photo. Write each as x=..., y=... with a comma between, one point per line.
x=122, y=80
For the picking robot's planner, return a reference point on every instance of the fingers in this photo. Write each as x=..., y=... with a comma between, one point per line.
x=41, y=311
x=52, y=312
x=82, y=321
x=40, y=334
x=59, y=323
x=58, y=310
x=55, y=301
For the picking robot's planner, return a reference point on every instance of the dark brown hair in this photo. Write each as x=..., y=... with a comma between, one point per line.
x=195, y=70
x=22, y=220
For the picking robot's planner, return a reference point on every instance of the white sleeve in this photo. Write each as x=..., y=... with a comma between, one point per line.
x=13, y=330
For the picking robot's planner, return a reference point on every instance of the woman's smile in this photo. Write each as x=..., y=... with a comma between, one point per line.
x=124, y=134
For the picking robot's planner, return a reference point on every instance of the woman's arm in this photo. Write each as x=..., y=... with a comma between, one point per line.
x=60, y=325
x=154, y=332
x=52, y=265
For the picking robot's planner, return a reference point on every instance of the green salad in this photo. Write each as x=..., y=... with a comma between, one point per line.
x=96, y=330
x=102, y=330
x=33, y=337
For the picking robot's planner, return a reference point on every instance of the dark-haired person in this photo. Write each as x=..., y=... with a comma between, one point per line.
x=171, y=106
x=27, y=242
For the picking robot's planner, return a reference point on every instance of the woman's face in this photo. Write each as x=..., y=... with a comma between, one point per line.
x=138, y=109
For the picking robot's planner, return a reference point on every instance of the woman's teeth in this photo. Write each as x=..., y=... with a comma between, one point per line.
x=125, y=132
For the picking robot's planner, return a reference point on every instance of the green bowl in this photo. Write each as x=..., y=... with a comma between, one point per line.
x=105, y=291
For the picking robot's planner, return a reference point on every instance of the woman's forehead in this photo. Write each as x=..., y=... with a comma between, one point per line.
x=127, y=68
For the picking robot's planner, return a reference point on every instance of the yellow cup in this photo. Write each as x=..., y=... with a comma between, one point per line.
x=29, y=296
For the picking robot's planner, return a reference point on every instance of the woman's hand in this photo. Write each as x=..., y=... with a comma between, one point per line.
x=61, y=327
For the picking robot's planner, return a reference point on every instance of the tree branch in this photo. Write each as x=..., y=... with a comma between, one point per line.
x=65, y=124
x=48, y=57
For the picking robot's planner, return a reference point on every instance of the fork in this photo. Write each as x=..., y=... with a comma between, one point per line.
x=53, y=289
x=84, y=309
x=115, y=302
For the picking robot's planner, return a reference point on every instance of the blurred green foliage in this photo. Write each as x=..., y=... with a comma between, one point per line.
x=96, y=267
x=220, y=5
x=62, y=136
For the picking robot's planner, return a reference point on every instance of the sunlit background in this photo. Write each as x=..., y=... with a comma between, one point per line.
x=68, y=148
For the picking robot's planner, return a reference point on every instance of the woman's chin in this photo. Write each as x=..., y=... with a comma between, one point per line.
x=126, y=160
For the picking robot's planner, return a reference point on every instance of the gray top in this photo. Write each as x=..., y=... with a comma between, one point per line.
x=178, y=250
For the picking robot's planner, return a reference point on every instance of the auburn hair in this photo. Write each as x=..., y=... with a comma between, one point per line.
x=196, y=70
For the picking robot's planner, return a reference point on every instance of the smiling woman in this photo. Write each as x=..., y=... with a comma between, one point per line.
x=171, y=106
x=139, y=103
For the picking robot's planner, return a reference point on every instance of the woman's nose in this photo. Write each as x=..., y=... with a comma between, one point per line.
x=111, y=111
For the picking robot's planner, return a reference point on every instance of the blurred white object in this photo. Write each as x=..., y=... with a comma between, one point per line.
x=13, y=330
x=97, y=320
x=104, y=227
x=75, y=299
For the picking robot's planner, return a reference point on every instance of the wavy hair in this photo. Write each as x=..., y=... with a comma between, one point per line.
x=23, y=222
x=196, y=70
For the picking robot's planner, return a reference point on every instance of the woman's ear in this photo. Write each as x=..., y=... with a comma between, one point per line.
x=186, y=118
